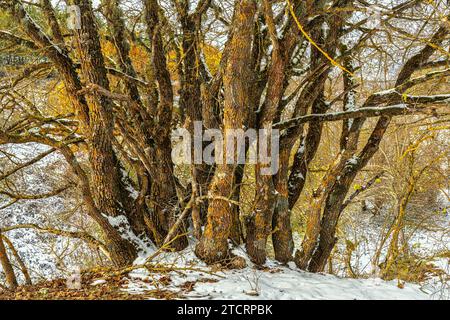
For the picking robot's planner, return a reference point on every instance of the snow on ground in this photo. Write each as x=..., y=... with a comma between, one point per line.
x=274, y=282
x=426, y=243
x=44, y=255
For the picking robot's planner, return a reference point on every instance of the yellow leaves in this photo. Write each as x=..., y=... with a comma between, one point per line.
x=108, y=49
x=357, y=187
x=139, y=58
x=212, y=58
x=211, y=54
x=58, y=101
x=172, y=64
x=404, y=97
x=378, y=180
x=138, y=55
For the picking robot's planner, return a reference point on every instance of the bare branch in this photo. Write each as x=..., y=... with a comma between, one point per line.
x=70, y=234
x=393, y=110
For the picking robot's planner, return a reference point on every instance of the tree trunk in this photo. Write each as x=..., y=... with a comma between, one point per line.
x=164, y=185
x=236, y=234
x=11, y=279
x=19, y=260
x=347, y=171
x=328, y=226
x=237, y=80
x=283, y=242
x=259, y=223
x=393, y=251
x=109, y=194
x=213, y=246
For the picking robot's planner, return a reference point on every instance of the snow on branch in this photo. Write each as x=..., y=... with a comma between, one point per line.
x=393, y=110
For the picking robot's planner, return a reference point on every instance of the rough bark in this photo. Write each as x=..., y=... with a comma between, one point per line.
x=283, y=243
x=259, y=223
x=109, y=193
x=19, y=260
x=164, y=186
x=291, y=183
x=103, y=162
x=236, y=233
x=11, y=279
x=237, y=80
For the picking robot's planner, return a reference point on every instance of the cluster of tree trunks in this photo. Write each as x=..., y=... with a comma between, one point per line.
x=126, y=122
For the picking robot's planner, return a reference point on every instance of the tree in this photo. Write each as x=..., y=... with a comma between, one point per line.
x=11, y=279
x=277, y=62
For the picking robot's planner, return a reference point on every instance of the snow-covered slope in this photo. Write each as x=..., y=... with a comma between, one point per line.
x=49, y=257
x=274, y=282
x=46, y=256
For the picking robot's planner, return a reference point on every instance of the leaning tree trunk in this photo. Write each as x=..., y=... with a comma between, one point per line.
x=11, y=280
x=336, y=196
x=135, y=116
x=109, y=194
x=95, y=114
x=328, y=226
x=18, y=259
